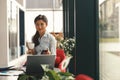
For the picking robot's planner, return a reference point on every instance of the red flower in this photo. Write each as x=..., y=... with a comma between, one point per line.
x=83, y=77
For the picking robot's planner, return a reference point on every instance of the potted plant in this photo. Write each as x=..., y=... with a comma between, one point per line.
x=48, y=75
x=68, y=45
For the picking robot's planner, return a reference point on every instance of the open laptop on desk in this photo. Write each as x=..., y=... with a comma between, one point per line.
x=34, y=62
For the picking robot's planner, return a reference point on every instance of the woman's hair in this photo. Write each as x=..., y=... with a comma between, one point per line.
x=36, y=36
x=41, y=17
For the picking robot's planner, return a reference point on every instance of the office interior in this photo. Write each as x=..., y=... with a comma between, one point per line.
x=95, y=50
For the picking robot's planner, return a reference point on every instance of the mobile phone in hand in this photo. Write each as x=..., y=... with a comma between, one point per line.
x=44, y=52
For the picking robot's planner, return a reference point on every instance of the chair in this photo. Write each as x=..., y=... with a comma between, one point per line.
x=62, y=60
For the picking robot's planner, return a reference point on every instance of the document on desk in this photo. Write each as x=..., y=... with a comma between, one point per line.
x=5, y=68
x=10, y=73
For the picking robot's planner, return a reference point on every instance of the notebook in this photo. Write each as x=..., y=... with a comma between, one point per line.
x=34, y=62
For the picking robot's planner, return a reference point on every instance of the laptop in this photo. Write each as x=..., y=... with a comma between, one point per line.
x=34, y=62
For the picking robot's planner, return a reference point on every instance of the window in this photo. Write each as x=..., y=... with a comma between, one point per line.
x=109, y=39
x=55, y=21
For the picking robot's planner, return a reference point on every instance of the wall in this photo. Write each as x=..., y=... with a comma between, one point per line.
x=3, y=33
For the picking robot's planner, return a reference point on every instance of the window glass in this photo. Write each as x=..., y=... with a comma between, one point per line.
x=109, y=39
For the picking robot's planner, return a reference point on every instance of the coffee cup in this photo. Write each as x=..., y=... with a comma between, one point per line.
x=30, y=45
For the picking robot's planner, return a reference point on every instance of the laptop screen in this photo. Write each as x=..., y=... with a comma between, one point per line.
x=34, y=62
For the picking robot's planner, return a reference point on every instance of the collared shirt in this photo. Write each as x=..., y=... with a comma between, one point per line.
x=47, y=41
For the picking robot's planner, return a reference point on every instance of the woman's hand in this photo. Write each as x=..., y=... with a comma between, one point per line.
x=31, y=51
x=46, y=52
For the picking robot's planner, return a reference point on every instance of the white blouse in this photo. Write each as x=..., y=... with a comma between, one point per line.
x=47, y=41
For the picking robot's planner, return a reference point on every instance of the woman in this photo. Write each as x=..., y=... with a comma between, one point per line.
x=45, y=43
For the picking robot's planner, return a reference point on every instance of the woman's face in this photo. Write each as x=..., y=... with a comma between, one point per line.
x=40, y=26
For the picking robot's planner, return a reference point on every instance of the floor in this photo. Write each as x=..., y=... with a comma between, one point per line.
x=109, y=61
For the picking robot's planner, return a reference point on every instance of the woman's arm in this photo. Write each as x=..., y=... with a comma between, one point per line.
x=53, y=44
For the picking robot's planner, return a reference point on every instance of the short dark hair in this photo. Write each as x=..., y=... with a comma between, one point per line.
x=41, y=17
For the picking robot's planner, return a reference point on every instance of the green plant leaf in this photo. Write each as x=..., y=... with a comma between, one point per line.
x=52, y=75
x=65, y=74
x=26, y=77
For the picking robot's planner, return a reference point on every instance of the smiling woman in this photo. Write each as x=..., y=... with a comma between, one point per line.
x=55, y=22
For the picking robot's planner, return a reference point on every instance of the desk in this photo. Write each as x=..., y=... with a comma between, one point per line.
x=10, y=74
x=8, y=77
